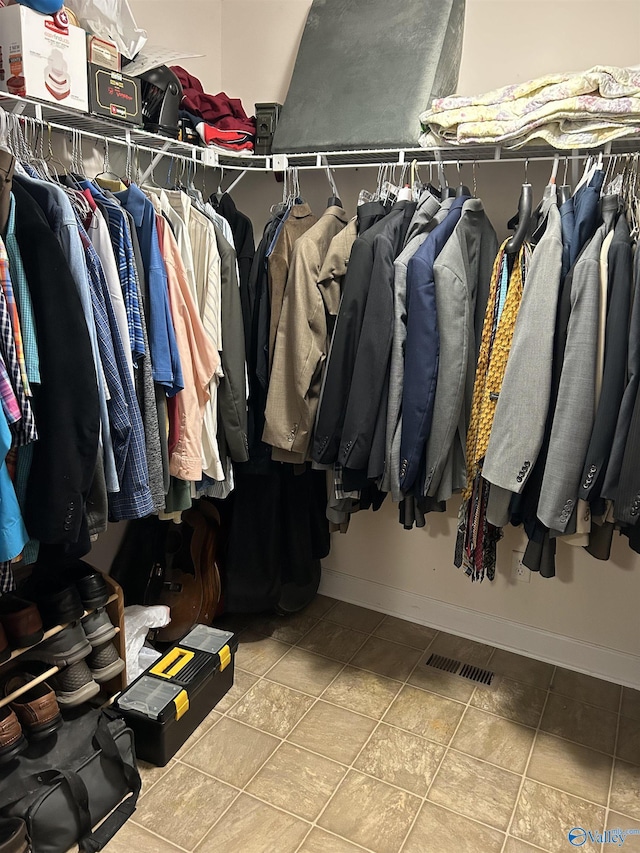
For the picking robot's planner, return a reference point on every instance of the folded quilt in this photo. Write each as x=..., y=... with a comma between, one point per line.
x=565, y=110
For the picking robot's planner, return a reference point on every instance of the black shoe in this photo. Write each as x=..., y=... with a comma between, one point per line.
x=89, y=582
x=58, y=605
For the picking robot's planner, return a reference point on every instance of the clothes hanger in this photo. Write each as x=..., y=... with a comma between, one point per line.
x=592, y=165
x=334, y=198
x=219, y=192
x=525, y=210
x=106, y=179
x=191, y=188
x=405, y=192
x=461, y=189
x=564, y=191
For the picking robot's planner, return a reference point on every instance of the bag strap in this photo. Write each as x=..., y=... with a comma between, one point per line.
x=92, y=842
x=37, y=782
x=27, y=786
x=80, y=797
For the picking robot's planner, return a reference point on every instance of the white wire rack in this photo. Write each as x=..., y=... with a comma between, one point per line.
x=66, y=120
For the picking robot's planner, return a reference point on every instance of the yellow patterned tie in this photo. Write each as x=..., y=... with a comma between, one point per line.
x=492, y=363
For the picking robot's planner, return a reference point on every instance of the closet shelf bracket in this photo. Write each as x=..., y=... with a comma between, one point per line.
x=154, y=162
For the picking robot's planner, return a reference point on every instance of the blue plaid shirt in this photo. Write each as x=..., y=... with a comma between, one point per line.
x=127, y=432
x=123, y=251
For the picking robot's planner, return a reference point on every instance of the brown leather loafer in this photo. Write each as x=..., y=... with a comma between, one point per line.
x=14, y=837
x=12, y=741
x=5, y=651
x=37, y=709
x=21, y=621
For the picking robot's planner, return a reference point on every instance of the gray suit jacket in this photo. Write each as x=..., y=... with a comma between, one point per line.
x=523, y=404
x=575, y=407
x=425, y=218
x=462, y=275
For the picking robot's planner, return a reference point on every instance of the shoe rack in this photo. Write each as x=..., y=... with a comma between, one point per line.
x=115, y=610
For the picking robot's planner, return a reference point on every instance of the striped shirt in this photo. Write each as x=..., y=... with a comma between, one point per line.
x=23, y=299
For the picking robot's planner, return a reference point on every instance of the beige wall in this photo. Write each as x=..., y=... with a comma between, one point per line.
x=505, y=41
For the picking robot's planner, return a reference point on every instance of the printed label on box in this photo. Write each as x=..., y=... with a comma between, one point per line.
x=46, y=57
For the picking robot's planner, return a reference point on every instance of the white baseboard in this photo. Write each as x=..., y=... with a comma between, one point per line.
x=609, y=664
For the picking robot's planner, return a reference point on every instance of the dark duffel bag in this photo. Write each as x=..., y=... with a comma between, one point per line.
x=67, y=784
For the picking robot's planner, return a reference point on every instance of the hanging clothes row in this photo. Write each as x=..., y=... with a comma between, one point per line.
x=405, y=352
x=122, y=369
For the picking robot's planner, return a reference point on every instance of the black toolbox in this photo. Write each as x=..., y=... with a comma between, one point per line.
x=167, y=703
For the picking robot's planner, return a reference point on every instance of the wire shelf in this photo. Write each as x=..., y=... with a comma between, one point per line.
x=67, y=120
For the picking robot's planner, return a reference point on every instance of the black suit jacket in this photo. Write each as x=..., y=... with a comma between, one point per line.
x=366, y=414
x=66, y=402
x=245, y=246
x=614, y=468
x=343, y=356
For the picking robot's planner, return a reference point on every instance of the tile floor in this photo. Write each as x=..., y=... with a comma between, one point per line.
x=336, y=739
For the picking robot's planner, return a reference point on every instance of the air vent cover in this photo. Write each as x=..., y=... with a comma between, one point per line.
x=463, y=670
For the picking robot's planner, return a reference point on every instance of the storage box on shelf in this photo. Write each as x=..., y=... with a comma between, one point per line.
x=115, y=610
x=43, y=56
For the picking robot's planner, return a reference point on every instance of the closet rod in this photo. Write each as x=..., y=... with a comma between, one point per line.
x=454, y=162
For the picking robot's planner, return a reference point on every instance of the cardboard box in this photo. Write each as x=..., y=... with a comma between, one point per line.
x=114, y=95
x=43, y=56
x=103, y=53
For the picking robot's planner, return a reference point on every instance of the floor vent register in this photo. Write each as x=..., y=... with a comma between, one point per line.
x=463, y=670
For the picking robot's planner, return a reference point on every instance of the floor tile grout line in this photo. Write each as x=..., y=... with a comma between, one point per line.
x=370, y=633
x=333, y=835
x=435, y=775
x=238, y=791
x=613, y=765
x=422, y=655
x=526, y=767
x=143, y=793
x=161, y=837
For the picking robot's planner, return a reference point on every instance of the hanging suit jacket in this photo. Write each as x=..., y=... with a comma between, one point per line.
x=242, y=230
x=334, y=268
x=574, y=411
x=300, y=219
x=519, y=421
x=462, y=275
x=346, y=335
x=301, y=345
x=615, y=361
x=427, y=215
x=580, y=219
x=66, y=404
x=366, y=411
x=422, y=352
x=612, y=478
